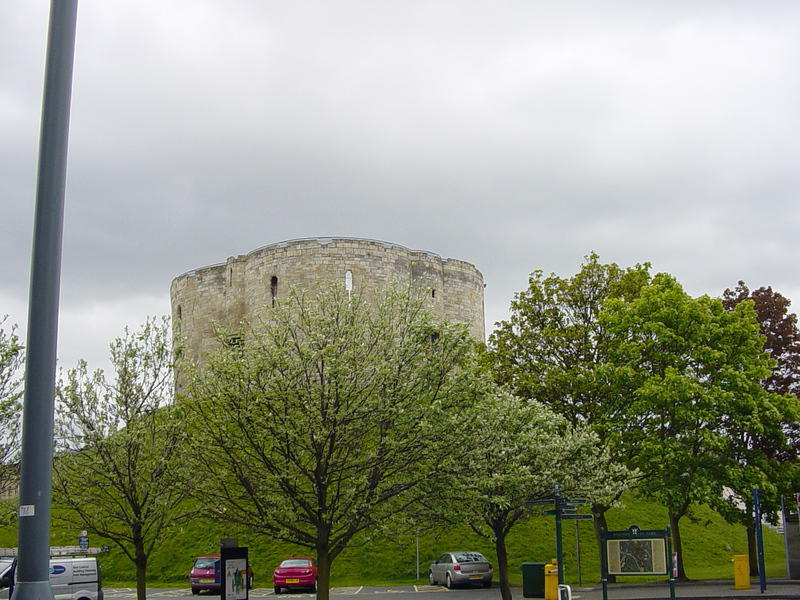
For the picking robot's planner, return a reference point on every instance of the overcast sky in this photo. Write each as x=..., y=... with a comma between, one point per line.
x=513, y=135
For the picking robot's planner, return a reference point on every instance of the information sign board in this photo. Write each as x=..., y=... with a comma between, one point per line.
x=637, y=551
x=637, y=557
x=233, y=565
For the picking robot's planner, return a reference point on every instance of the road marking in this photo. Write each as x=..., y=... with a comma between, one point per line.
x=264, y=593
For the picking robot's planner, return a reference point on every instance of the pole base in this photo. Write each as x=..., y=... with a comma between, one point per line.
x=33, y=590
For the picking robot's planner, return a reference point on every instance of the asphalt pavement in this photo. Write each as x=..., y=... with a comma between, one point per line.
x=776, y=589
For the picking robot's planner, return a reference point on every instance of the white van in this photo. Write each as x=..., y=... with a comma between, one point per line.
x=75, y=578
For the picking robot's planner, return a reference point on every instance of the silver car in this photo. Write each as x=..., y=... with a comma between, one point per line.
x=457, y=568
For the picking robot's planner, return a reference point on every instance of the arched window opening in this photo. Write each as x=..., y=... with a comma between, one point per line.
x=230, y=276
x=273, y=289
x=180, y=312
x=433, y=293
x=348, y=281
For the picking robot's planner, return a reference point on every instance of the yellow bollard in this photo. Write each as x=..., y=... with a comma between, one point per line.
x=741, y=572
x=551, y=580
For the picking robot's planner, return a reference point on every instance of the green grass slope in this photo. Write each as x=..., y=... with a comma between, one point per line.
x=709, y=546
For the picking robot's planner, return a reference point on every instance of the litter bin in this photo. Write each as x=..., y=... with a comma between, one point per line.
x=533, y=579
x=551, y=580
x=741, y=571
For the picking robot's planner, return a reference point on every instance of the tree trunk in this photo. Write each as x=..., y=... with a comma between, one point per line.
x=323, y=572
x=141, y=570
x=502, y=565
x=752, y=550
x=599, y=521
x=677, y=546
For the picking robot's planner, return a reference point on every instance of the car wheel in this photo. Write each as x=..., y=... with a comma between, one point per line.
x=431, y=579
x=277, y=590
x=314, y=589
x=195, y=592
x=449, y=582
x=487, y=584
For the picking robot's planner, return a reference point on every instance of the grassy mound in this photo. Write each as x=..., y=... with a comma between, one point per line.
x=709, y=546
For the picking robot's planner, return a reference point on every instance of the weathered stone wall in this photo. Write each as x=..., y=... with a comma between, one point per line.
x=226, y=294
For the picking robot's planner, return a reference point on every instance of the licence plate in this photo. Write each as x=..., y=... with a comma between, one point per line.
x=292, y=581
x=476, y=576
x=206, y=581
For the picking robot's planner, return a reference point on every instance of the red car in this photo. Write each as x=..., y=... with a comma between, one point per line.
x=295, y=572
x=205, y=574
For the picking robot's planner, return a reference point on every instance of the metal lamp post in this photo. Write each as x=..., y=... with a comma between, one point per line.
x=33, y=578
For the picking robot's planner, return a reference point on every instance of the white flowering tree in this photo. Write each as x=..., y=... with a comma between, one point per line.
x=118, y=473
x=524, y=452
x=322, y=421
x=11, y=359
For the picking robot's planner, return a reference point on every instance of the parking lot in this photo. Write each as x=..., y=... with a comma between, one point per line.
x=420, y=592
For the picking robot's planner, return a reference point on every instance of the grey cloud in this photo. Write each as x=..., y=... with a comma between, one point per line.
x=514, y=135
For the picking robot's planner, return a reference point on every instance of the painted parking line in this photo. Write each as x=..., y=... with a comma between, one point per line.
x=430, y=588
x=262, y=593
x=344, y=591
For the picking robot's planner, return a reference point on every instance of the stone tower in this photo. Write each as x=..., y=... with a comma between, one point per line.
x=228, y=293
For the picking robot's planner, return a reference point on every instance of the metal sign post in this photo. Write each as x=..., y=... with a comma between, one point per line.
x=578, y=551
x=564, y=509
x=673, y=558
x=762, y=577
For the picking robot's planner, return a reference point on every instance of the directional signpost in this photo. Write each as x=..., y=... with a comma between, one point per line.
x=564, y=509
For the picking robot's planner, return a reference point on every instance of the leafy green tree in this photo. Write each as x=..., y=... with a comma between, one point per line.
x=690, y=367
x=11, y=359
x=766, y=451
x=782, y=341
x=118, y=471
x=554, y=349
x=527, y=450
x=324, y=421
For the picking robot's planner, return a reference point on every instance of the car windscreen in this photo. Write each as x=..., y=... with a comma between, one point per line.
x=5, y=563
x=205, y=563
x=465, y=557
x=296, y=562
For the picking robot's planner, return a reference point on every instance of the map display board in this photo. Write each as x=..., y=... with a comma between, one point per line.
x=637, y=557
x=636, y=551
